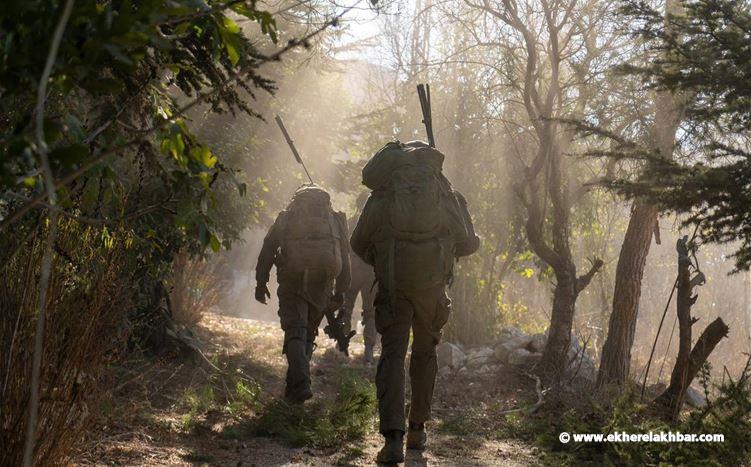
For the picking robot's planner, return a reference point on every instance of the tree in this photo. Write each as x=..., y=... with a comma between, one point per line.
x=100, y=171
x=706, y=56
x=552, y=83
x=616, y=353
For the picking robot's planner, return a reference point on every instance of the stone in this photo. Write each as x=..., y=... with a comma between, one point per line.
x=479, y=357
x=523, y=357
x=695, y=398
x=537, y=343
x=511, y=332
x=444, y=372
x=484, y=369
x=449, y=355
x=503, y=350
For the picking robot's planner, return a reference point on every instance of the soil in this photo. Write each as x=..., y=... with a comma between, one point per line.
x=144, y=420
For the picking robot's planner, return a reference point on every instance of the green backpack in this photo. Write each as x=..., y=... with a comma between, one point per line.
x=419, y=216
x=310, y=247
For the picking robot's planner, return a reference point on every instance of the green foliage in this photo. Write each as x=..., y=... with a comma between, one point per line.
x=702, y=53
x=198, y=403
x=247, y=397
x=229, y=392
x=728, y=414
x=348, y=417
x=119, y=110
x=458, y=425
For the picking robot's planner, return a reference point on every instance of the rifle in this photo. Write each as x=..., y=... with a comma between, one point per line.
x=335, y=329
x=291, y=144
x=423, y=92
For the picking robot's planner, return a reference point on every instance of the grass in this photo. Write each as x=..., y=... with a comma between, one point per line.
x=328, y=423
x=237, y=398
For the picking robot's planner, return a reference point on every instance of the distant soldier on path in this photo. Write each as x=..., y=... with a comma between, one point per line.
x=308, y=244
x=412, y=229
x=363, y=284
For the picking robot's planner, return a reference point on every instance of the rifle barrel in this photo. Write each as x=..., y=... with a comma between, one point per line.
x=292, y=147
x=423, y=92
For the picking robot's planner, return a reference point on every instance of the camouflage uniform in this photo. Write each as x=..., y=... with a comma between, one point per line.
x=424, y=312
x=301, y=302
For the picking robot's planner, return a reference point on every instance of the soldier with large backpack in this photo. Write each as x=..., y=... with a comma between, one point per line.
x=412, y=229
x=308, y=245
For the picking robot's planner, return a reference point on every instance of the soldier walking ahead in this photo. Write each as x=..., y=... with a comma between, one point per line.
x=413, y=227
x=308, y=245
x=363, y=284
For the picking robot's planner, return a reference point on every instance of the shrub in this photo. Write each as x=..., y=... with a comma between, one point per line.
x=727, y=414
x=324, y=423
x=85, y=299
x=195, y=287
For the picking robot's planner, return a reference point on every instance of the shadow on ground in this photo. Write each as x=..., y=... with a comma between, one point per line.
x=172, y=411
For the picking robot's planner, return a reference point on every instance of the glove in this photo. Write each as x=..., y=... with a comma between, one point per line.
x=262, y=293
x=337, y=300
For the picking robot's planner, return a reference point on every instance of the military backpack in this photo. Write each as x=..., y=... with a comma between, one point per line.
x=420, y=220
x=311, y=247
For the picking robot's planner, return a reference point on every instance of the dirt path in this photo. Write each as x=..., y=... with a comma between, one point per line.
x=162, y=412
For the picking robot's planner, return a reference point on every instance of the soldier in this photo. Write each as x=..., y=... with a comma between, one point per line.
x=413, y=227
x=363, y=284
x=308, y=245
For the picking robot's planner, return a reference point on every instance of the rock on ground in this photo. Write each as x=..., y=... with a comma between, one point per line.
x=479, y=357
x=450, y=355
x=523, y=357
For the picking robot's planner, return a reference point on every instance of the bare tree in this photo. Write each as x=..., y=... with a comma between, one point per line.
x=550, y=53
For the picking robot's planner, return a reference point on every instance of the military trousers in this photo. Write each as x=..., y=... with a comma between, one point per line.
x=363, y=285
x=424, y=312
x=300, y=320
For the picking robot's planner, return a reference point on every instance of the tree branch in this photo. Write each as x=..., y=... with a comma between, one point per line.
x=583, y=281
x=46, y=266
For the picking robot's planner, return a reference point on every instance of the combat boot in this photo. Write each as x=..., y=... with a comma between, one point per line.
x=393, y=450
x=298, y=396
x=368, y=356
x=416, y=436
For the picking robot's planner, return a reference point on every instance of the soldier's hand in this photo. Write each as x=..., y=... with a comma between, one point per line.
x=262, y=293
x=337, y=300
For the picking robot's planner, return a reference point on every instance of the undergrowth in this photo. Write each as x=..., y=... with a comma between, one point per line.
x=228, y=392
x=324, y=423
x=728, y=414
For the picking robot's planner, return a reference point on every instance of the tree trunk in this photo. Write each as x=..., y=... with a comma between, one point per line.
x=616, y=352
x=689, y=361
x=559, y=335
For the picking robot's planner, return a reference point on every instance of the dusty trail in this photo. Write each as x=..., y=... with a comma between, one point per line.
x=150, y=422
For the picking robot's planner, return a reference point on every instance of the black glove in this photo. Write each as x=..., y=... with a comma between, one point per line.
x=337, y=300
x=262, y=293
